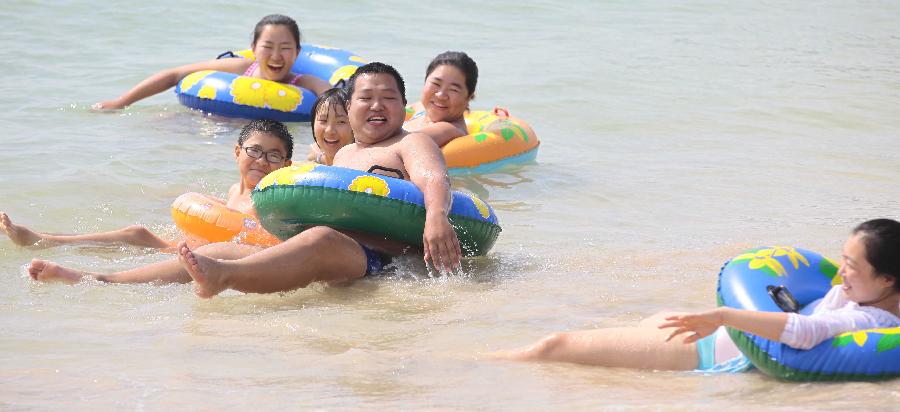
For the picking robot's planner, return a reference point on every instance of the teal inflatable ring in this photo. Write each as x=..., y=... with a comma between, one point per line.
x=744, y=283
x=292, y=199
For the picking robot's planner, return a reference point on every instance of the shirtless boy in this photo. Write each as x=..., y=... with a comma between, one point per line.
x=263, y=146
x=322, y=254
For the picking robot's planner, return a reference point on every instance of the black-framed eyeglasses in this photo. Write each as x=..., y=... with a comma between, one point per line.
x=256, y=153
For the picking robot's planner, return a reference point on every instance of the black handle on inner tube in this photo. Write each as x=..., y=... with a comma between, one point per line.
x=386, y=169
x=783, y=298
x=229, y=54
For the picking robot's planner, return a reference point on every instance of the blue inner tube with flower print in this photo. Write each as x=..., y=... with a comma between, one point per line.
x=232, y=95
x=295, y=198
x=745, y=283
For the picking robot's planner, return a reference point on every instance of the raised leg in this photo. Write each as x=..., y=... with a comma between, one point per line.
x=134, y=235
x=320, y=254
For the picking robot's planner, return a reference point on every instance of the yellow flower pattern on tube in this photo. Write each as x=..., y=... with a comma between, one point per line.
x=264, y=93
x=370, y=184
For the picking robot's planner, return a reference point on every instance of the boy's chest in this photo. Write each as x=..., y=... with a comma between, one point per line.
x=242, y=203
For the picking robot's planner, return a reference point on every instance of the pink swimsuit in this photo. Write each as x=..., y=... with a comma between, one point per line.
x=253, y=67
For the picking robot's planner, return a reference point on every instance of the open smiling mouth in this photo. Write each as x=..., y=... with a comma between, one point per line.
x=377, y=119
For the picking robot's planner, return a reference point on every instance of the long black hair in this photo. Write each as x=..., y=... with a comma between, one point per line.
x=882, y=240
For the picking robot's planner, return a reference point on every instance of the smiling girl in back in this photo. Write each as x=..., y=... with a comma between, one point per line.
x=330, y=126
x=450, y=81
x=276, y=45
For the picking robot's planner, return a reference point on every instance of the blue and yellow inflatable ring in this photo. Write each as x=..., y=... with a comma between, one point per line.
x=295, y=198
x=872, y=354
x=232, y=95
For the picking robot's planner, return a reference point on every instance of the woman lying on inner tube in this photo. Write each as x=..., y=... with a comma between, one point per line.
x=868, y=298
x=276, y=44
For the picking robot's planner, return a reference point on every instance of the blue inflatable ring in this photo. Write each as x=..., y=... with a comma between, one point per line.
x=872, y=354
x=292, y=199
x=232, y=95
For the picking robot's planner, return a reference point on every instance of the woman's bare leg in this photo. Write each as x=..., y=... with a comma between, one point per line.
x=170, y=271
x=134, y=235
x=640, y=347
x=317, y=254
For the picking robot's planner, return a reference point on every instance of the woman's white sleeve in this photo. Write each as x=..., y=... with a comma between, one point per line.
x=805, y=332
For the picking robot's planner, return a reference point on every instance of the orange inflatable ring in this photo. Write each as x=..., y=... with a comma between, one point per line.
x=208, y=218
x=495, y=139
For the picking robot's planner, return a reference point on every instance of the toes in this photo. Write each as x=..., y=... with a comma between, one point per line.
x=35, y=268
x=36, y=265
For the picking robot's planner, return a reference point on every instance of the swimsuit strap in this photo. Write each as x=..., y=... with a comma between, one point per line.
x=249, y=71
x=254, y=65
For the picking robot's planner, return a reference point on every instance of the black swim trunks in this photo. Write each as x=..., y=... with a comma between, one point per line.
x=375, y=261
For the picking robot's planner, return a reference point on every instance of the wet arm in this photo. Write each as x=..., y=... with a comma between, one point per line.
x=425, y=164
x=167, y=79
x=441, y=132
x=314, y=84
x=769, y=325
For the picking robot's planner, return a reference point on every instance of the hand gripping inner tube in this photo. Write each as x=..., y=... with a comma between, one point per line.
x=745, y=283
x=292, y=199
x=207, y=218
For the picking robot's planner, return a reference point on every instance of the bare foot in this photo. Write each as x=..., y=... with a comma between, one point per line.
x=207, y=281
x=20, y=235
x=44, y=271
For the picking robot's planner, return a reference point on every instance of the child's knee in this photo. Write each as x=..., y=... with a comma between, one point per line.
x=322, y=233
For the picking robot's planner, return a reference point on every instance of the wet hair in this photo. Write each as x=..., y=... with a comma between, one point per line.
x=377, y=68
x=461, y=61
x=277, y=20
x=272, y=127
x=333, y=97
x=882, y=240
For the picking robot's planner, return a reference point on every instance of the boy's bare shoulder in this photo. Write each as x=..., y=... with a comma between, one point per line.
x=416, y=139
x=344, y=152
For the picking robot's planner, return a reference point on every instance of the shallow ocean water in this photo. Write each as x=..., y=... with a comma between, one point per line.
x=674, y=136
